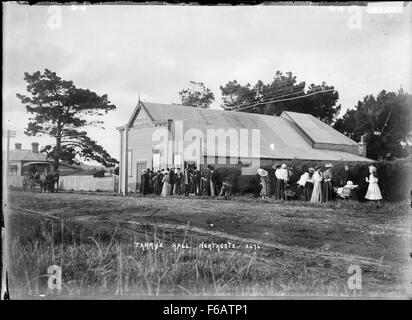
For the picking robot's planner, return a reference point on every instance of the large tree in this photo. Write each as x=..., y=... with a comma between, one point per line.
x=59, y=109
x=384, y=119
x=284, y=93
x=197, y=96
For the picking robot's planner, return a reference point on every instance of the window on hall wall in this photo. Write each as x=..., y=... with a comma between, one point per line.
x=156, y=160
x=129, y=162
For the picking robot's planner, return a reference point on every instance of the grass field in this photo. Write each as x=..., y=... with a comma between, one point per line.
x=207, y=247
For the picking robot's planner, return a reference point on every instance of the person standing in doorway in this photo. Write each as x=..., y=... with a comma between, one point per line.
x=143, y=182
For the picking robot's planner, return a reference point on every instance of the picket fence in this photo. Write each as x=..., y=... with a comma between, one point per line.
x=77, y=183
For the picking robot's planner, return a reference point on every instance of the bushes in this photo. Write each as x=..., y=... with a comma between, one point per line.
x=395, y=177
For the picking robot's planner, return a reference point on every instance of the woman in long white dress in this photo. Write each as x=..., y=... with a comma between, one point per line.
x=317, y=186
x=373, y=193
x=166, y=185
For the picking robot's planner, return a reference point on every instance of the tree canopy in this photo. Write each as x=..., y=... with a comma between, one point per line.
x=197, y=96
x=59, y=109
x=384, y=119
x=263, y=98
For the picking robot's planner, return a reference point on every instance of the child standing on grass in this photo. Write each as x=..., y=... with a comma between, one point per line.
x=373, y=193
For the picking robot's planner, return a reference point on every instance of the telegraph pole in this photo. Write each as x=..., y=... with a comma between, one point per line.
x=4, y=218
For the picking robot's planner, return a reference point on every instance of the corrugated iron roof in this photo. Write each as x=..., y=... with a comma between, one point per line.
x=318, y=131
x=280, y=131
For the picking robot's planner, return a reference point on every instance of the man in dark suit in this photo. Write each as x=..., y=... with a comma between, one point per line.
x=178, y=182
x=143, y=182
x=172, y=179
x=150, y=176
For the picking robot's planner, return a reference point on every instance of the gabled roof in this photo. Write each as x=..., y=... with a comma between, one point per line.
x=288, y=136
x=316, y=130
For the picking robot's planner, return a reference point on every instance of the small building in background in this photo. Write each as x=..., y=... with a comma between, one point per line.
x=21, y=159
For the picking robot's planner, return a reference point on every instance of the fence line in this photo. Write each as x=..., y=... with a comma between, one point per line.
x=77, y=183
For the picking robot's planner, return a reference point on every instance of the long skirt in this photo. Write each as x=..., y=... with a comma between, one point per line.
x=308, y=191
x=300, y=193
x=327, y=191
x=156, y=188
x=166, y=189
x=264, y=190
x=212, y=189
x=373, y=193
x=317, y=192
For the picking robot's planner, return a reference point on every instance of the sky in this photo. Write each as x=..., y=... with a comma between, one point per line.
x=154, y=51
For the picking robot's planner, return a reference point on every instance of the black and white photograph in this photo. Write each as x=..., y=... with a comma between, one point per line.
x=207, y=151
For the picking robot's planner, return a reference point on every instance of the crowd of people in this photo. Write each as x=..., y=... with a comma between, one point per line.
x=174, y=181
x=317, y=184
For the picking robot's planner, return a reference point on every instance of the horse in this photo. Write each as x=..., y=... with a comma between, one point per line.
x=46, y=182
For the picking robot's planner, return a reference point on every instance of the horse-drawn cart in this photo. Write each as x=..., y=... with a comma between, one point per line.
x=39, y=174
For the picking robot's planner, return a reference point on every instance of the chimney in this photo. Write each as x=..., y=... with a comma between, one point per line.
x=35, y=147
x=362, y=146
x=17, y=146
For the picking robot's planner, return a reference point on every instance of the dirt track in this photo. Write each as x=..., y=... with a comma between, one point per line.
x=331, y=238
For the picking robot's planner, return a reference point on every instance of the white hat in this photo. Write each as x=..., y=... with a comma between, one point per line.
x=329, y=165
x=372, y=168
x=350, y=184
x=284, y=166
x=262, y=172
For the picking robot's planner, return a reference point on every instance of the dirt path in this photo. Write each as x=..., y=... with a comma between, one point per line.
x=292, y=249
